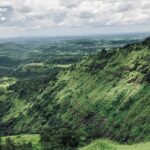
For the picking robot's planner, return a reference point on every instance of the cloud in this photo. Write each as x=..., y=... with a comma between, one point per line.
x=2, y=19
x=5, y=13
x=39, y=14
x=69, y=3
x=98, y=13
x=25, y=9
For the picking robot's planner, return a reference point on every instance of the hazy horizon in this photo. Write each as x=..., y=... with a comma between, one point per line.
x=131, y=34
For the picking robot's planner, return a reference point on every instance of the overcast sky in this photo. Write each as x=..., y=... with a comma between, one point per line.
x=73, y=17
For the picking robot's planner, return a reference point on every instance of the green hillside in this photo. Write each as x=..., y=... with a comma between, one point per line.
x=108, y=145
x=106, y=95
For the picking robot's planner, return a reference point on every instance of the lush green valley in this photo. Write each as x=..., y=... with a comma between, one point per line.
x=63, y=98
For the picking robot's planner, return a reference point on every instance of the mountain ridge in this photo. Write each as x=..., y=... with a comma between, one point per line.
x=105, y=95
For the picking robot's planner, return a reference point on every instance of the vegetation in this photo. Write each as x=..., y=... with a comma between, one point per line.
x=108, y=145
x=21, y=142
x=66, y=103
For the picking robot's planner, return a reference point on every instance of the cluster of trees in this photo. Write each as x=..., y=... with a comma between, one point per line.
x=10, y=145
x=65, y=138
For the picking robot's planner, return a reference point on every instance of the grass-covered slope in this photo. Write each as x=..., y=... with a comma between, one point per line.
x=104, y=95
x=108, y=145
x=24, y=139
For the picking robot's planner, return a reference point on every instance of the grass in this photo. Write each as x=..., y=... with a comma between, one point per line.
x=41, y=67
x=32, y=67
x=5, y=82
x=62, y=66
x=19, y=139
x=21, y=109
x=109, y=145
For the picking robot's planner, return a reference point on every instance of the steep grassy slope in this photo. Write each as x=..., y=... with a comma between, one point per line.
x=108, y=145
x=104, y=95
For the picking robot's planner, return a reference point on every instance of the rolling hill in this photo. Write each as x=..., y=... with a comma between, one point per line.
x=105, y=95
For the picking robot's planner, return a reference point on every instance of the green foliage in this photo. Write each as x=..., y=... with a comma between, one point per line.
x=104, y=95
x=66, y=138
x=10, y=145
x=21, y=142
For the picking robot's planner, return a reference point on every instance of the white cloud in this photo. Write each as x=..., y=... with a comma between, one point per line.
x=2, y=19
x=38, y=14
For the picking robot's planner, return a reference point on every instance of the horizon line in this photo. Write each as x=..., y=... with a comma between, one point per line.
x=65, y=36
